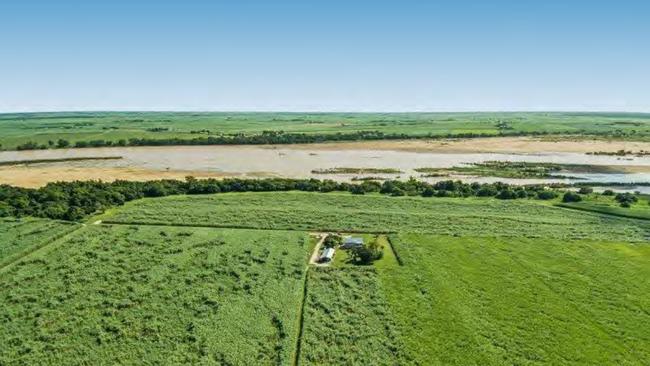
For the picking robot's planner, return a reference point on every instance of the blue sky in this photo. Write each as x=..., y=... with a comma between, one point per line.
x=324, y=55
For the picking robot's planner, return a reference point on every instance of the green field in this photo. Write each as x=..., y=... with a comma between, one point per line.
x=223, y=280
x=21, y=236
x=134, y=295
x=607, y=205
x=347, y=320
x=484, y=301
x=375, y=213
x=17, y=129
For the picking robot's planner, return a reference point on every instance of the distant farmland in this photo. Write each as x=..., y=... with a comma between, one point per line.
x=52, y=130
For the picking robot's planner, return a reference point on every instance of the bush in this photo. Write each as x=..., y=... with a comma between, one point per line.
x=586, y=190
x=626, y=199
x=608, y=192
x=571, y=197
x=546, y=195
x=366, y=254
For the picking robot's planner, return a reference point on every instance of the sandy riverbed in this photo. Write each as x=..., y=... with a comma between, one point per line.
x=298, y=161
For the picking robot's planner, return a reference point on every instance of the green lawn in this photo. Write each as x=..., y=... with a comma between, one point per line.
x=152, y=295
x=19, y=236
x=485, y=301
x=375, y=213
x=16, y=129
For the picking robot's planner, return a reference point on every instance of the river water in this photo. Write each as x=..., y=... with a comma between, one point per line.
x=285, y=161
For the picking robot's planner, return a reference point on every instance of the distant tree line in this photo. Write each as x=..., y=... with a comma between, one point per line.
x=272, y=137
x=76, y=200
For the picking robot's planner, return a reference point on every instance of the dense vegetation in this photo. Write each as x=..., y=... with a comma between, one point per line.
x=134, y=295
x=490, y=301
x=347, y=320
x=62, y=130
x=335, y=212
x=19, y=236
x=76, y=200
x=478, y=281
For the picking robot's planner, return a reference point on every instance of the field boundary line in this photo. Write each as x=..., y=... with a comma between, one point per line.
x=392, y=248
x=301, y=319
x=217, y=226
x=36, y=248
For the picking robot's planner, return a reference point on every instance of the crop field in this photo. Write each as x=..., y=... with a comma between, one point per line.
x=375, y=213
x=347, y=320
x=17, y=129
x=19, y=236
x=134, y=295
x=484, y=301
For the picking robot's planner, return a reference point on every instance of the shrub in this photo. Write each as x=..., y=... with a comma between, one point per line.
x=546, y=195
x=608, y=192
x=571, y=197
x=586, y=190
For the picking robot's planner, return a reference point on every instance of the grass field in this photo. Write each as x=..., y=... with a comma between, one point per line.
x=16, y=129
x=374, y=213
x=484, y=301
x=134, y=295
x=347, y=320
x=607, y=205
x=21, y=236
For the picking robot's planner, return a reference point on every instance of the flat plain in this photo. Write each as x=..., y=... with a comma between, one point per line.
x=40, y=128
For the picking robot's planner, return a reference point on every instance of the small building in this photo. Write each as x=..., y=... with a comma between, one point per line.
x=350, y=242
x=328, y=255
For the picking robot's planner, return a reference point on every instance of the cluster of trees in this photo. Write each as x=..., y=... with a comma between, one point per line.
x=332, y=241
x=76, y=200
x=366, y=254
x=266, y=137
x=626, y=199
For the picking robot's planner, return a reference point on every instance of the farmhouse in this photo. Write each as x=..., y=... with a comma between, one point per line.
x=328, y=254
x=350, y=242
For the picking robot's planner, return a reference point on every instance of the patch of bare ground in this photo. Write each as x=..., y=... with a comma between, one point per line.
x=483, y=145
x=33, y=177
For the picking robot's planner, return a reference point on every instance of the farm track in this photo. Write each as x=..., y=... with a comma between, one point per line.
x=45, y=245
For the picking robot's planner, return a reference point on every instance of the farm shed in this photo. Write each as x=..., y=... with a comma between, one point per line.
x=328, y=254
x=350, y=242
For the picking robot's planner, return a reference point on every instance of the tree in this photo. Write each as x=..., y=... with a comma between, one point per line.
x=571, y=197
x=61, y=144
x=546, y=195
x=332, y=241
x=608, y=192
x=366, y=254
x=586, y=190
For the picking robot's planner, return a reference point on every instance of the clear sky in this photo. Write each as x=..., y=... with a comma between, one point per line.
x=324, y=55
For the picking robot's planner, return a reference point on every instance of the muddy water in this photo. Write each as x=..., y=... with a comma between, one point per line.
x=285, y=161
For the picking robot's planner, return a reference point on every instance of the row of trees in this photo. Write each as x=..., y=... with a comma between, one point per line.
x=76, y=200
x=266, y=137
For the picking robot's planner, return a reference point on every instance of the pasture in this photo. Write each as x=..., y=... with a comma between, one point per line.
x=42, y=128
